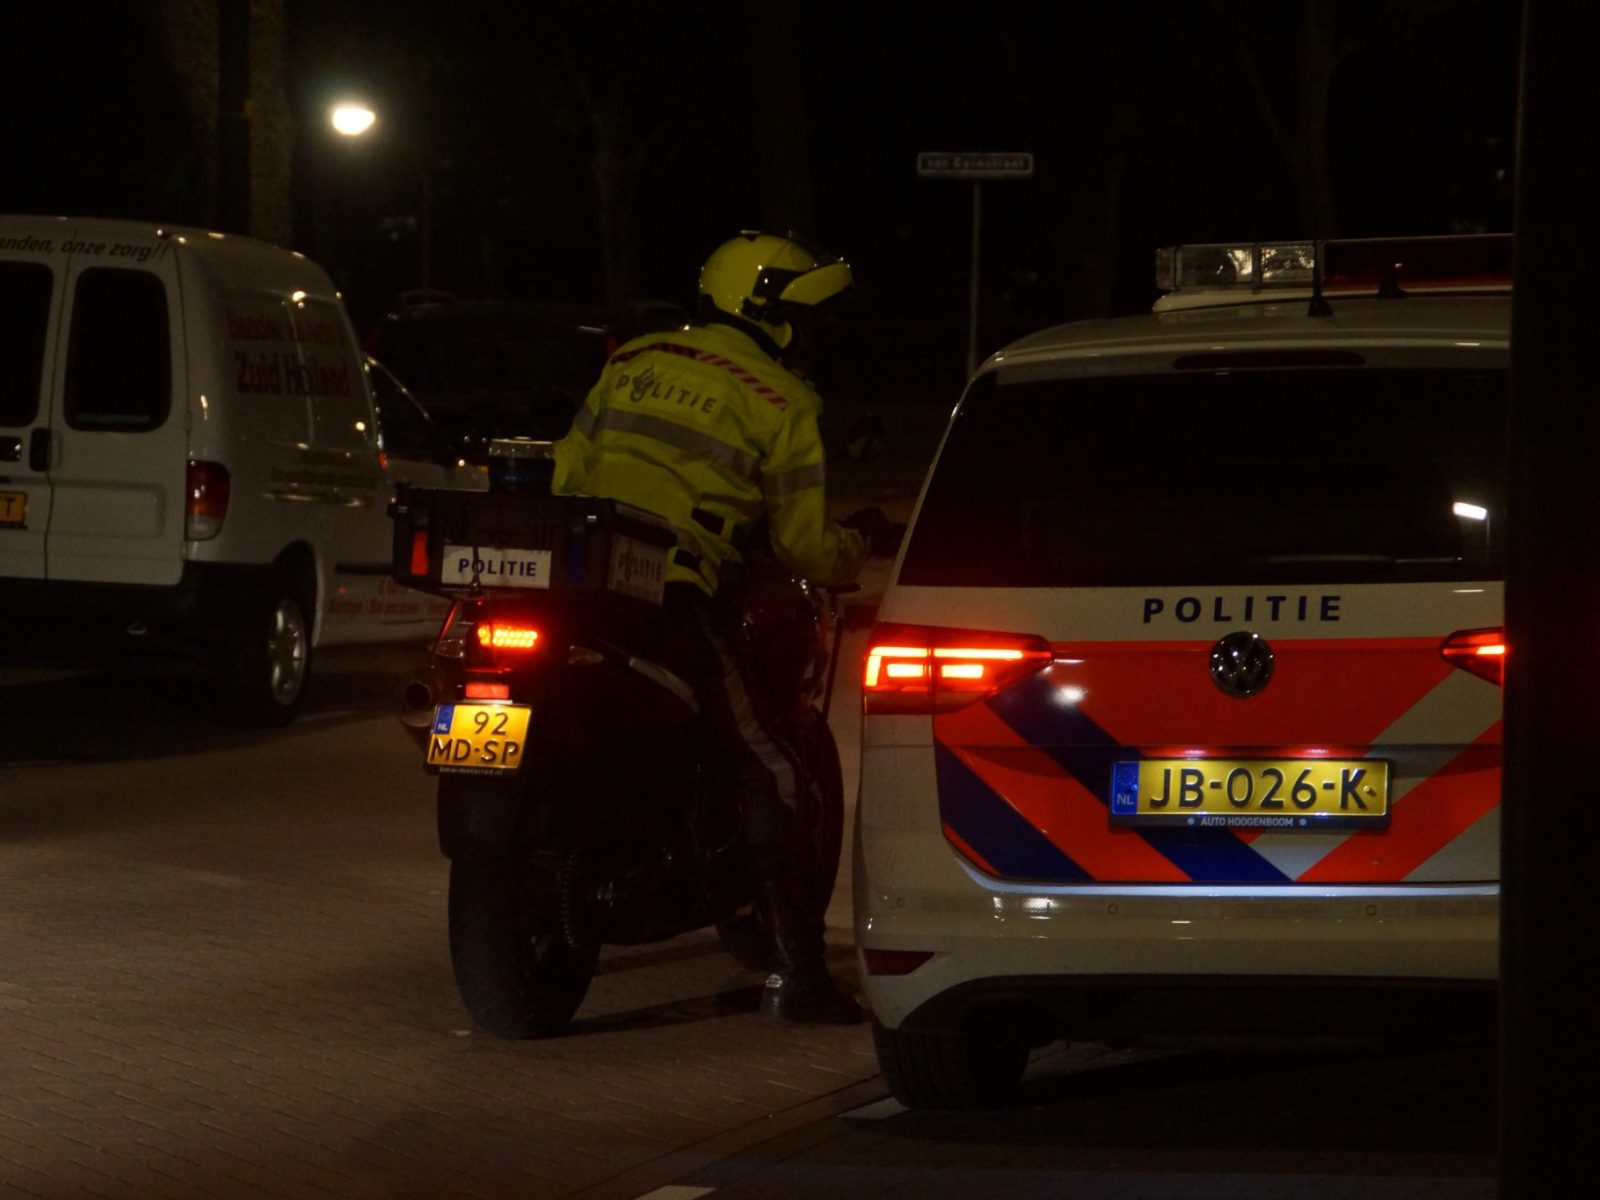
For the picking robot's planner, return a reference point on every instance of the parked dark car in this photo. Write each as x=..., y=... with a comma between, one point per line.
x=485, y=369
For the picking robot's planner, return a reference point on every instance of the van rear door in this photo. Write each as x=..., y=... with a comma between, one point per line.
x=29, y=309
x=118, y=441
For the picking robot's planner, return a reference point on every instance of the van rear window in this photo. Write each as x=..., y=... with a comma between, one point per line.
x=24, y=315
x=1351, y=475
x=119, y=363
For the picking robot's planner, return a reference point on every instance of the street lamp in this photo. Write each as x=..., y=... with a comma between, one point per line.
x=351, y=119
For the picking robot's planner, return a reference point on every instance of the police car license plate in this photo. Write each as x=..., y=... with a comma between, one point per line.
x=1276, y=794
x=13, y=510
x=478, y=739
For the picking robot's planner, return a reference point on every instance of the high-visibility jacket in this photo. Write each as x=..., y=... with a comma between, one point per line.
x=704, y=429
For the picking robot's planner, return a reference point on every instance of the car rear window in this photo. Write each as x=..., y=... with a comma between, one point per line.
x=1227, y=477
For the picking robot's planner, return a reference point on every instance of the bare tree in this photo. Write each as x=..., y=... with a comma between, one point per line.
x=1294, y=110
x=1084, y=121
x=191, y=32
x=1293, y=92
x=776, y=86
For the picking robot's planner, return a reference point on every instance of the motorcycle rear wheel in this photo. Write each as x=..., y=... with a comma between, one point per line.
x=516, y=972
x=746, y=937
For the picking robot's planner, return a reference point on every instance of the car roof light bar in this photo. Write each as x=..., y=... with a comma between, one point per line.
x=1384, y=266
x=1252, y=265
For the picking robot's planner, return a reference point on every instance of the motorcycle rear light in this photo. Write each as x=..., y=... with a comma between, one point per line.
x=488, y=691
x=419, y=552
x=497, y=635
x=926, y=669
x=894, y=962
x=207, y=486
x=1481, y=651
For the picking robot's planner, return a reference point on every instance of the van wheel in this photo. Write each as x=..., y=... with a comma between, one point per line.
x=263, y=663
x=959, y=1069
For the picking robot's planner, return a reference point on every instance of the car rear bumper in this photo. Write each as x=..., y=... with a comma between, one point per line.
x=914, y=892
x=989, y=938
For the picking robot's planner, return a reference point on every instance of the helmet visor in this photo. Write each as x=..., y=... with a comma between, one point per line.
x=817, y=286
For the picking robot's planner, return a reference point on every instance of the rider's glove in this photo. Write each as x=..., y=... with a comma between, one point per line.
x=882, y=538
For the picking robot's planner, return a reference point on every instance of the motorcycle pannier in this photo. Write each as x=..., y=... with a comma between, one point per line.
x=451, y=542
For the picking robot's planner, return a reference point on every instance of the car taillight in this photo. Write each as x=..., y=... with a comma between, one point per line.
x=894, y=962
x=924, y=669
x=206, y=489
x=1481, y=651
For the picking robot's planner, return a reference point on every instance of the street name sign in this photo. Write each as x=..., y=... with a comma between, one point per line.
x=939, y=164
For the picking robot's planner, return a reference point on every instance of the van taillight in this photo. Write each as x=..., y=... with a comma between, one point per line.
x=206, y=490
x=1481, y=651
x=925, y=669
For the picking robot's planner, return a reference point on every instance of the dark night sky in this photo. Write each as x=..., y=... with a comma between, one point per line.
x=1148, y=120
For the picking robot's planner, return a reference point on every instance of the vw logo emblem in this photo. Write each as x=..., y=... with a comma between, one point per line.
x=1241, y=663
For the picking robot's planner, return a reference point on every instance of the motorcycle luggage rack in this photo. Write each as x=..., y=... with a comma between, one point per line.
x=449, y=542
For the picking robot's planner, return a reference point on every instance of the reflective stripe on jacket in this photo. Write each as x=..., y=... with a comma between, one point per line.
x=704, y=429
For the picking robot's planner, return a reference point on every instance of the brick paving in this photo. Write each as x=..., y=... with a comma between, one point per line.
x=223, y=973
x=1101, y=1124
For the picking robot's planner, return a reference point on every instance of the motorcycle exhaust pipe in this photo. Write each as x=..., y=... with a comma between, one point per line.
x=420, y=693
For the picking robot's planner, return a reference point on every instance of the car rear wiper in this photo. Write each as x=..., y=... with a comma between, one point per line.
x=1275, y=560
x=1385, y=560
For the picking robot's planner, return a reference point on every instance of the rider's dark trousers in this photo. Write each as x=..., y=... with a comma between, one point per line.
x=750, y=760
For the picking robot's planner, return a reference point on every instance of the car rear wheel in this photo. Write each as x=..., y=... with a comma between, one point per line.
x=970, y=1068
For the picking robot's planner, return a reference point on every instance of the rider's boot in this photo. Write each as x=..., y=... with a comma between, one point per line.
x=800, y=988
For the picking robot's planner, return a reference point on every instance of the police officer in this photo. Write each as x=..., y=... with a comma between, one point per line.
x=707, y=427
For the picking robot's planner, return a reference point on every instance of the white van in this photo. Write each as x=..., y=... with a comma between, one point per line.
x=190, y=460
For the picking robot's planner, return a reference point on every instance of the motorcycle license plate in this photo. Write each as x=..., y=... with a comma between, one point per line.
x=1281, y=794
x=478, y=739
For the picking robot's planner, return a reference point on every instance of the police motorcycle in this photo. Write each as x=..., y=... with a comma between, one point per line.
x=575, y=803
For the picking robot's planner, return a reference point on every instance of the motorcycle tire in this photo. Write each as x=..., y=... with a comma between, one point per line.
x=517, y=974
x=746, y=937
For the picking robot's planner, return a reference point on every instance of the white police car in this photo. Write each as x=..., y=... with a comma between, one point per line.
x=1183, y=712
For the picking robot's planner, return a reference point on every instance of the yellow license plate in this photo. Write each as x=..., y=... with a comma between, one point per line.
x=13, y=509
x=478, y=739
x=1222, y=793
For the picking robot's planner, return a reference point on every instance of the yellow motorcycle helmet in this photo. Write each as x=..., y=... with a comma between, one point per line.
x=762, y=279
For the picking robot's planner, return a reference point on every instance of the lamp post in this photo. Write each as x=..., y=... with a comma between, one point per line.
x=354, y=119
